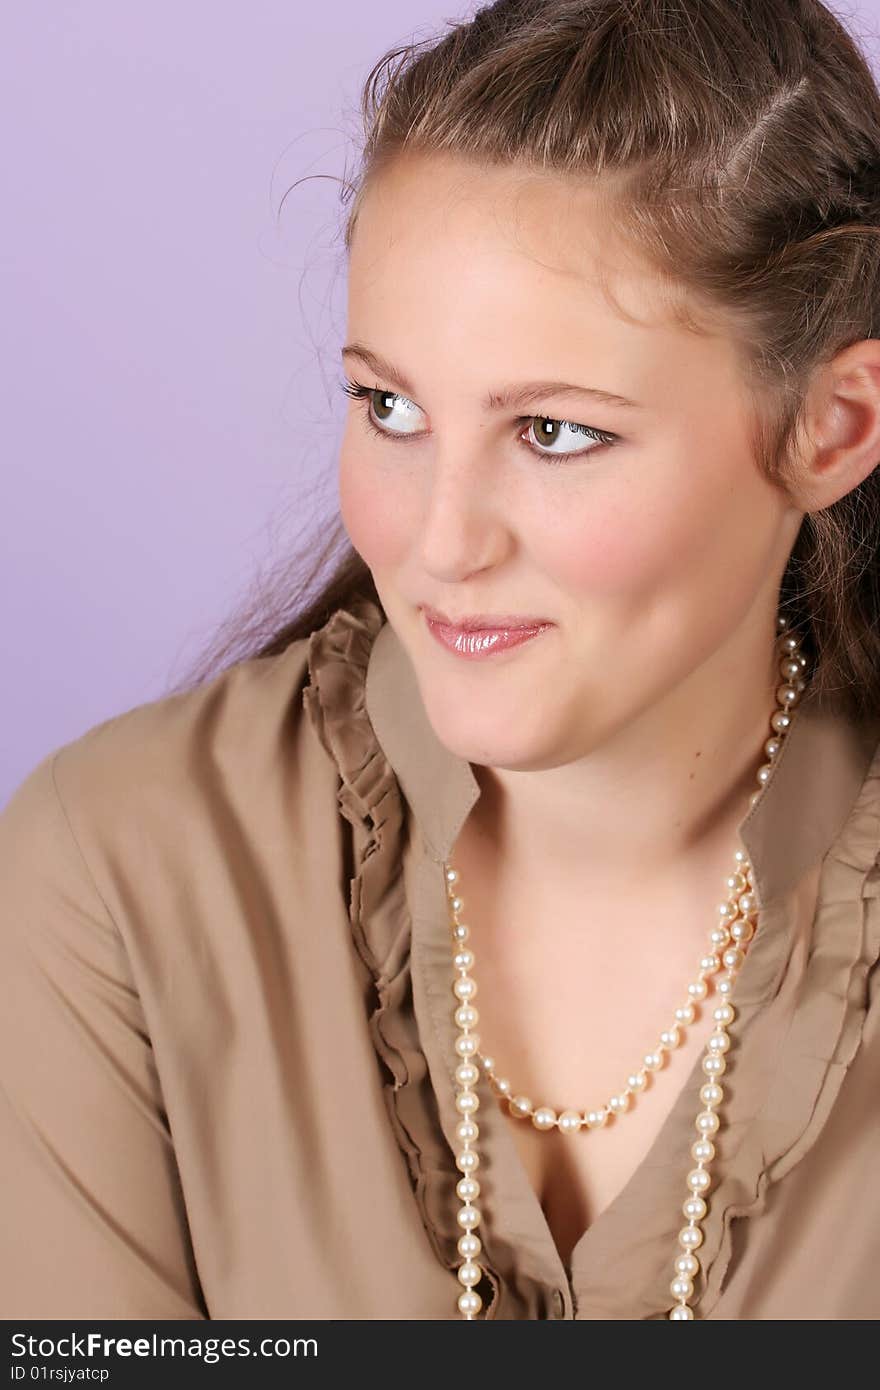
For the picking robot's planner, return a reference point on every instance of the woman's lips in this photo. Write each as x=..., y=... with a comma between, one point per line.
x=477, y=643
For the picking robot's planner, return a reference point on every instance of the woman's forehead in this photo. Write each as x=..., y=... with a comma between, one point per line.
x=520, y=230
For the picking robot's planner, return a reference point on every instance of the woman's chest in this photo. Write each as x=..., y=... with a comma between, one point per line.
x=577, y=1175
x=577, y=1013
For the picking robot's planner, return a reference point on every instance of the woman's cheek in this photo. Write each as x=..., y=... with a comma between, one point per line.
x=604, y=549
x=659, y=521
x=374, y=513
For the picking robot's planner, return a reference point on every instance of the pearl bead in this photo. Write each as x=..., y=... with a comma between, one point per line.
x=596, y=1119
x=714, y=1065
x=470, y=1303
x=724, y=987
x=465, y=987
x=737, y=883
x=781, y=721
x=747, y=904
x=452, y=875
x=786, y=695
x=468, y=1217
x=466, y=1074
x=652, y=1061
x=772, y=746
x=520, y=1106
x=726, y=911
x=719, y=936
x=718, y=1042
x=789, y=644
x=684, y=1264
x=711, y=1093
x=619, y=1103
x=685, y=1014
x=724, y=1013
x=698, y=989
x=489, y=1063
x=466, y=1016
x=706, y=1122
x=733, y=958
x=468, y=1161
x=467, y=1131
x=463, y=959
x=681, y=1286
x=544, y=1117
x=637, y=1081
x=690, y=1237
x=742, y=931
x=570, y=1121
x=680, y=1313
x=456, y=904
x=467, y=1045
x=469, y=1273
x=467, y=1189
x=469, y=1245
x=694, y=1208
x=466, y=1102
x=503, y=1086
x=709, y=964
x=703, y=1151
x=460, y=932
x=764, y=772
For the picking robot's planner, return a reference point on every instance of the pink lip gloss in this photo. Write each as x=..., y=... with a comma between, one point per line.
x=476, y=644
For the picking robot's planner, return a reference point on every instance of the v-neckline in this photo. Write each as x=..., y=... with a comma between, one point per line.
x=642, y=1220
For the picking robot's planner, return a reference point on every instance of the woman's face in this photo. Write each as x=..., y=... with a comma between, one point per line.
x=643, y=532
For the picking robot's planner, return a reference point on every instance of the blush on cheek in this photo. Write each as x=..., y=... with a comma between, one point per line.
x=372, y=514
x=607, y=555
x=672, y=527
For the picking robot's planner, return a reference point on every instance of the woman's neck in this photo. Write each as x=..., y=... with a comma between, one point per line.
x=643, y=804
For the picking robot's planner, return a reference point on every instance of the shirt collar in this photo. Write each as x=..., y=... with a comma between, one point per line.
x=819, y=772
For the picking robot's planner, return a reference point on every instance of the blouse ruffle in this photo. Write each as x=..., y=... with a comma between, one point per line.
x=371, y=801
x=825, y=1031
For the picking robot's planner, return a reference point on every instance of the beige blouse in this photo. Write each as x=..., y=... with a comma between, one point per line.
x=226, y=1032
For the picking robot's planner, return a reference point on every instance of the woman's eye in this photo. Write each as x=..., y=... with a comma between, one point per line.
x=385, y=406
x=550, y=431
x=382, y=408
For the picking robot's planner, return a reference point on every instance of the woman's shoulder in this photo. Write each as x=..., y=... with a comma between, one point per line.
x=164, y=751
x=247, y=744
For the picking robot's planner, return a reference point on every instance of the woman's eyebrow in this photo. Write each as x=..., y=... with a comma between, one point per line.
x=506, y=397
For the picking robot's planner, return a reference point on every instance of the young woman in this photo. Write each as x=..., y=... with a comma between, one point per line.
x=587, y=716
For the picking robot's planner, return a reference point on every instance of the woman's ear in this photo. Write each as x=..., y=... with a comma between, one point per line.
x=840, y=434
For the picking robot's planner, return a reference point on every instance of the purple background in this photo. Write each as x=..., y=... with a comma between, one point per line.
x=169, y=342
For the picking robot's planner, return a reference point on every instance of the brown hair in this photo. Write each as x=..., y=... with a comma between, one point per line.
x=739, y=145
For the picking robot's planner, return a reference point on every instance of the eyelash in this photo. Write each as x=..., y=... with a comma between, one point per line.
x=362, y=395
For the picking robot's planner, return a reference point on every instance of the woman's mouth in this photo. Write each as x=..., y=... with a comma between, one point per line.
x=478, y=643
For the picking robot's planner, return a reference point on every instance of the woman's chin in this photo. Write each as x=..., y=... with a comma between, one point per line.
x=496, y=740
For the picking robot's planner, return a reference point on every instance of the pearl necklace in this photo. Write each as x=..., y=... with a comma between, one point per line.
x=729, y=937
